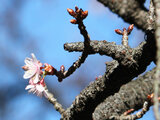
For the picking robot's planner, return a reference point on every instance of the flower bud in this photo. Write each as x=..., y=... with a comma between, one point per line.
x=130, y=28
x=49, y=69
x=62, y=69
x=84, y=14
x=25, y=68
x=76, y=8
x=73, y=21
x=71, y=12
x=118, y=31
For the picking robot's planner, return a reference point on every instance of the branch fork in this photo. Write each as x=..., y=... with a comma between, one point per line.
x=125, y=34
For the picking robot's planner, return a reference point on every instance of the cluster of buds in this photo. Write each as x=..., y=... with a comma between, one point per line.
x=49, y=70
x=128, y=31
x=33, y=72
x=125, y=34
x=78, y=14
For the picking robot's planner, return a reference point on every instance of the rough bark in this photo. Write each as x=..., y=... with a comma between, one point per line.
x=132, y=95
x=128, y=63
x=116, y=75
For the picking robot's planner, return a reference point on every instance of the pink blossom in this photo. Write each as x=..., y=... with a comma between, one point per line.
x=38, y=88
x=32, y=69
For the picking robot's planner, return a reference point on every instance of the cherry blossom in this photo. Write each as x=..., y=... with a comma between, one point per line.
x=38, y=88
x=32, y=69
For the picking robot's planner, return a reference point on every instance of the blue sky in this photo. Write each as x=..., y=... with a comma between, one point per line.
x=42, y=27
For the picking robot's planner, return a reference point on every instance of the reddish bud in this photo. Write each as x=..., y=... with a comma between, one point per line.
x=73, y=21
x=62, y=69
x=84, y=14
x=71, y=12
x=130, y=28
x=41, y=68
x=100, y=76
x=118, y=31
x=49, y=69
x=76, y=8
x=128, y=112
x=150, y=96
x=25, y=68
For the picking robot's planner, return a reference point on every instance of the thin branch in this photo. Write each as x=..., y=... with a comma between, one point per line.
x=135, y=116
x=125, y=38
x=79, y=14
x=53, y=101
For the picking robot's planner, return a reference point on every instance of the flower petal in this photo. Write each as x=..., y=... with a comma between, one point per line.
x=28, y=74
x=33, y=90
x=28, y=61
x=29, y=87
x=36, y=79
x=34, y=57
x=40, y=88
x=40, y=94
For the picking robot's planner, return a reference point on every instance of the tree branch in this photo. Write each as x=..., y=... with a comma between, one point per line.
x=130, y=63
x=79, y=15
x=54, y=101
x=132, y=11
x=157, y=74
x=116, y=75
x=124, y=55
x=130, y=96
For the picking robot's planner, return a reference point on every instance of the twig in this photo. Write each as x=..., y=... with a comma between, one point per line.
x=53, y=101
x=125, y=38
x=122, y=53
x=79, y=15
x=125, y=34
x=138, y=115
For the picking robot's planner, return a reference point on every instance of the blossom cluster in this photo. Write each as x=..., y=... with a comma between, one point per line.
x=33, y=71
